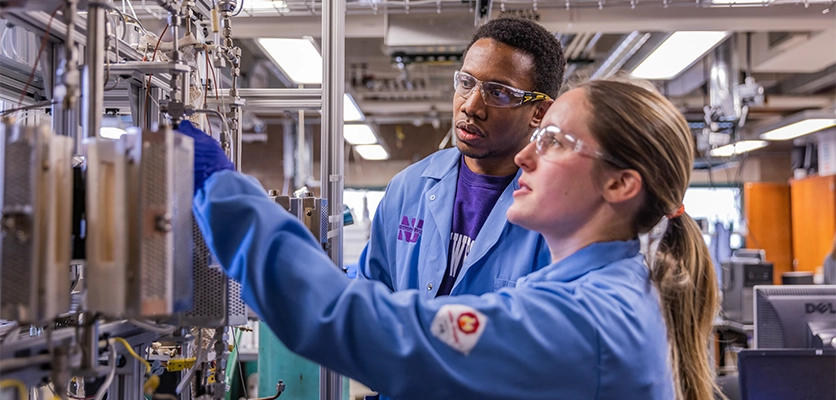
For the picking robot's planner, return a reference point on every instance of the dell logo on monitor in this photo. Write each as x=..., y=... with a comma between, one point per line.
x=821, y=308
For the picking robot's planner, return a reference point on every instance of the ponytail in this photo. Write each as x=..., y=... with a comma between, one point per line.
x=687, y=287
x=636, y=125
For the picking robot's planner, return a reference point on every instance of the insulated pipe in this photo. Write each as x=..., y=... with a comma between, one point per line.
x=333, y=145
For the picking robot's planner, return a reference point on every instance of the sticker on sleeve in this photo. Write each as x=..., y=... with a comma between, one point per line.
x=459, y=326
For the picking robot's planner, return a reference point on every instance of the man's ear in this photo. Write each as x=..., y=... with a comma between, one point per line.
x=540, y=112
x=622, y=185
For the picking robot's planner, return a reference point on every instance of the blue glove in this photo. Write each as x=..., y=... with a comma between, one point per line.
x=208, y=155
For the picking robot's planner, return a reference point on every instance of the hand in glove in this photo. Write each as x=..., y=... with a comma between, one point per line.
x=208, y=155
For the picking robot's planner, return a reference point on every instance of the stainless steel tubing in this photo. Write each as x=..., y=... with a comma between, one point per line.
x=332, y=174
x=93, y=91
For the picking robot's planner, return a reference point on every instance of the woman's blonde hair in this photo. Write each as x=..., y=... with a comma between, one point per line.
x=640, y=127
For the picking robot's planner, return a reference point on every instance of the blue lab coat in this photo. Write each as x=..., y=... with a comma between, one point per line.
x=586, y=327
x=411, y=235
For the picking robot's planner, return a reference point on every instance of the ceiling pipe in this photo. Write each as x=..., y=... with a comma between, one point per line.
x=626, y=48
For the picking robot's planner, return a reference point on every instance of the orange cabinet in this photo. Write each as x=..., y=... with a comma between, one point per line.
x=767, y=212
x=813, y=220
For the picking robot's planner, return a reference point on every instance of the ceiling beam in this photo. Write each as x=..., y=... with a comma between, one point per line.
x=649, y=18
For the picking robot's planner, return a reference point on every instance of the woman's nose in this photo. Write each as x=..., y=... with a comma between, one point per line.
x=527, y=157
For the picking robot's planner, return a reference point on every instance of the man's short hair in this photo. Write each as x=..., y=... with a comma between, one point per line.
x=532, y=39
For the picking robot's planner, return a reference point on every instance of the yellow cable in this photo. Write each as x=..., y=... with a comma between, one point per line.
x=132, y=353
x=22, y=390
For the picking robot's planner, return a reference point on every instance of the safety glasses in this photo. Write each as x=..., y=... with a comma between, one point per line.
x=552, y=144
x=494, y=94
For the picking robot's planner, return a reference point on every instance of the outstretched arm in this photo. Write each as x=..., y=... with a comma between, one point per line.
x=498, y=345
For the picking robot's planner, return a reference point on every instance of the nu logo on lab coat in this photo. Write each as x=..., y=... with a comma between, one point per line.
x=409, y=231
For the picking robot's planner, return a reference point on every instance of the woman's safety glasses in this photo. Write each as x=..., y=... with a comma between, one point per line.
x=494, y=94
x=552, y=144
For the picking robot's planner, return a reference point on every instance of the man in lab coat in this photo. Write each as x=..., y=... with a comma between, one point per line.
x=443, y=218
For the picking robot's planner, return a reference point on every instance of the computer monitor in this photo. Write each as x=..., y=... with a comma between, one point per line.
x=780, y=374
x=795, y=316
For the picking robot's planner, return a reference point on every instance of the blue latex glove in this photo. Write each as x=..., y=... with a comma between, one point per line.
x=208, y=155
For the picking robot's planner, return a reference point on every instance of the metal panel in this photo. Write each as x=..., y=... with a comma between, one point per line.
x=217, y=299
x=55, y=279
x=20, y=240
x=106, y=268
x=150, y=209
x=37, y=204
x=183, y=296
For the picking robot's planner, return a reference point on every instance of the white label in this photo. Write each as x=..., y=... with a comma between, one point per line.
x=459, y=326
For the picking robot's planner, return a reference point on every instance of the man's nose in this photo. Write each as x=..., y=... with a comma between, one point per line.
x=474, y=105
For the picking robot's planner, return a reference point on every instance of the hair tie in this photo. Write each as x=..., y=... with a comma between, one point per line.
x=679, y=211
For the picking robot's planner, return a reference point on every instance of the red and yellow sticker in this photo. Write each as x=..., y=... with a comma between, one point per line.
x=459, y=326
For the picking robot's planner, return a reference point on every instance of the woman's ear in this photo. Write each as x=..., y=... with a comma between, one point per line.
x=540, y=112
x=622, y=185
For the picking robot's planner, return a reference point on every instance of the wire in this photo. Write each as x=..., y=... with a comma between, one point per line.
x=153, y=58
x=239, y=9
x=132, y=352
x=222, y=108
x=131, y=6
x=240, y=366
x=217, y=95
x=197, y=361
x=38, y=57
x=22, y=390
x=111, y=359
x=36, y=105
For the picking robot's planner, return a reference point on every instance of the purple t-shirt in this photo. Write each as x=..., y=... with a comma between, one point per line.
x=475, y=197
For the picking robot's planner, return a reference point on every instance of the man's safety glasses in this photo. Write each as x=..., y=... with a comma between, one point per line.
x=552, y=144
x=494, y=94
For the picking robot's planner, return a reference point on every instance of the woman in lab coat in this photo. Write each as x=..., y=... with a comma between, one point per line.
x=610, y=160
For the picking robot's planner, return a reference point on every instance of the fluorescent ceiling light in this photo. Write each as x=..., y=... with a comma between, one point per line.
x=738, y=148
x=351, y=112
x=677, y=53
x=799, y=128
x=298, y=58
x=359, y=134
x=110, y=132
x=372, y=152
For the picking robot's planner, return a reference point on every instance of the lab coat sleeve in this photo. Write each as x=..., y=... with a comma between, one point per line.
x=374, y=261
x=542, y=337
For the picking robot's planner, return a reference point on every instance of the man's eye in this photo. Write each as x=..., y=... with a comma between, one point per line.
x=467, y=83
x=498, y=93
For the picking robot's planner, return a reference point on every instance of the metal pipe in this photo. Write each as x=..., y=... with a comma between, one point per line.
x=93, y=91
x=332, y=164
x=301, y=169
x=89, y=343
x=591, y=44
x=235, y=129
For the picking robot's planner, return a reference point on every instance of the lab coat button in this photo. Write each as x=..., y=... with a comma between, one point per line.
x=430, y=286
x=432, y=197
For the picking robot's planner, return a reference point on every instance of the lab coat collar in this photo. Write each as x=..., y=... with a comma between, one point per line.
x=442, y=163
x=445, y=161
x=587, y=259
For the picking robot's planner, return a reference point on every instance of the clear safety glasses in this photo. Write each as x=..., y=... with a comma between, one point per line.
x=552, y=143
x=494, y=94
